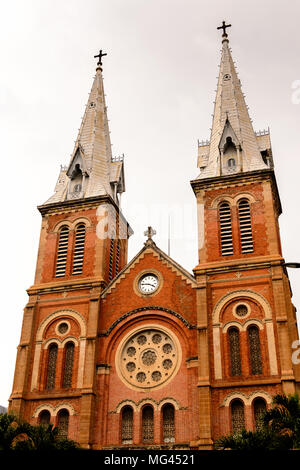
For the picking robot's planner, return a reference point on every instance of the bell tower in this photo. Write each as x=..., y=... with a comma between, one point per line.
x=83, y=245
x=246, y=320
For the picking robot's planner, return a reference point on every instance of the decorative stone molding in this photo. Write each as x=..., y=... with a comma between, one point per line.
x=157, y=404
x=144, y=309
x=53, y=410
x=246, y=399
x=60, y=313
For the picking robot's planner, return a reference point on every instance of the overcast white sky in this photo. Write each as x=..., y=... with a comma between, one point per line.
x=160, y=76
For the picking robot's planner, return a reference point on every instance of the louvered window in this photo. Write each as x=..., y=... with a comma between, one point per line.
x=68, y=366
x=51, y=369
x=111, y=260
x=237, y=416
x=78, y=254
x=235, y=354
x=254, y=347
x=259, y=409
x=118, y=257
x=63, y=423
x=147, y=424
x=225, y=229
x=62, y=252
x=245, y=226
x=127, y=425
x=168, y=423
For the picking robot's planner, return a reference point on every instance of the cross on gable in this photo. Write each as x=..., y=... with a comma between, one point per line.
x=224, y=26
x=149, y=233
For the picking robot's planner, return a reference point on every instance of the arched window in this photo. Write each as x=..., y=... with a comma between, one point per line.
x=63, y=423
x=51, y=367
x=237, y=416
x=44, y=418
x=225, y=229
x=259, y=407
x=235, y=354
x=245, y=226
x=62, y=252
x=254, y=348
x=168, y=423
x=147, y=424
x=68, y=364
x=231, y=163
x=78, y=253
x=127, y=425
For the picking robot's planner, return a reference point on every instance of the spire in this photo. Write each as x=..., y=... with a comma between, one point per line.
x=233, y=145
x=92, y=170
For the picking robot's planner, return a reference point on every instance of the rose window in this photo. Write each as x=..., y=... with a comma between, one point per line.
x=148, y=358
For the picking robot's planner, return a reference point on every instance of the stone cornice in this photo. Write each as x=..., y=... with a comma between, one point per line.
x=238, y=179
x=218, y=267
x=51, y=287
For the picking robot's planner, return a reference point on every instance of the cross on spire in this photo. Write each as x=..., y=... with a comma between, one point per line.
x=224, y=26
x=100, y=55
x=149, y=233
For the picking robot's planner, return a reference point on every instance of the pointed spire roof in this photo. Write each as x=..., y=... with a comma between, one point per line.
x=230, y=119
x=92, y=164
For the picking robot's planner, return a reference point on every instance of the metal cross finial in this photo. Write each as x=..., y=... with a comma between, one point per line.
x=149, y=233
x=224, y=26
x=100, y=55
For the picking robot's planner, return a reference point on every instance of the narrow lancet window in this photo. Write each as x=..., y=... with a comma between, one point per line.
x=259, y=409
x=111, y=260
x=225, y=229
x=78, y=254
x=168, y=423
x=44, y=418
x=51, y=369
x=147, y=424
x=62, y=252
x=63, y=423
x=245, y=226
x=235, y=354
x=68, y=365
x=237, y=416
x=254, y=348
x=127, y=425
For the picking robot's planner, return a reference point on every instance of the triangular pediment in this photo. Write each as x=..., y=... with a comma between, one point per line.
x=157, y=253
x=228, y=132
x=77, y=162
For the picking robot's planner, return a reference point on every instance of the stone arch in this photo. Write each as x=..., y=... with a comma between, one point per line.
x=43, y=407
x=61, y=224
x=124, y=403
x=243, y=195
x=64, y=406
x=51, y=341
x=237, y=294
x=219, y=199
x=253, y=321
x=232, y=323
x=59, y=313
x=168, y=401
x=260, y=394
x=147, y=402
x=234, y=396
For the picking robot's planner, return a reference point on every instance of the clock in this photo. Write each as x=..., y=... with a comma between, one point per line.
x=148, y=283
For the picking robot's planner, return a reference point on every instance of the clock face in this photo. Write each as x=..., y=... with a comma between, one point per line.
x=148, y=283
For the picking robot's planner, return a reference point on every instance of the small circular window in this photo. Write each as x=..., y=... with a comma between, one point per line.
x=63, y=328
x=241, y=310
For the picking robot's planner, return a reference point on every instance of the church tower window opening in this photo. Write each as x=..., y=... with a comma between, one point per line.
x=225, y=229
x=78, y=255
x=259, y=407
x=245, y=226
x=111, y=260
x=62, y=252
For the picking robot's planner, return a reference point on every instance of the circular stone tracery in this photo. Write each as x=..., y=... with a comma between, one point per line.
x=148, y=358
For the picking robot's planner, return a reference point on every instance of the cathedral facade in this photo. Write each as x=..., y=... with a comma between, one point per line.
x=144, y=354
